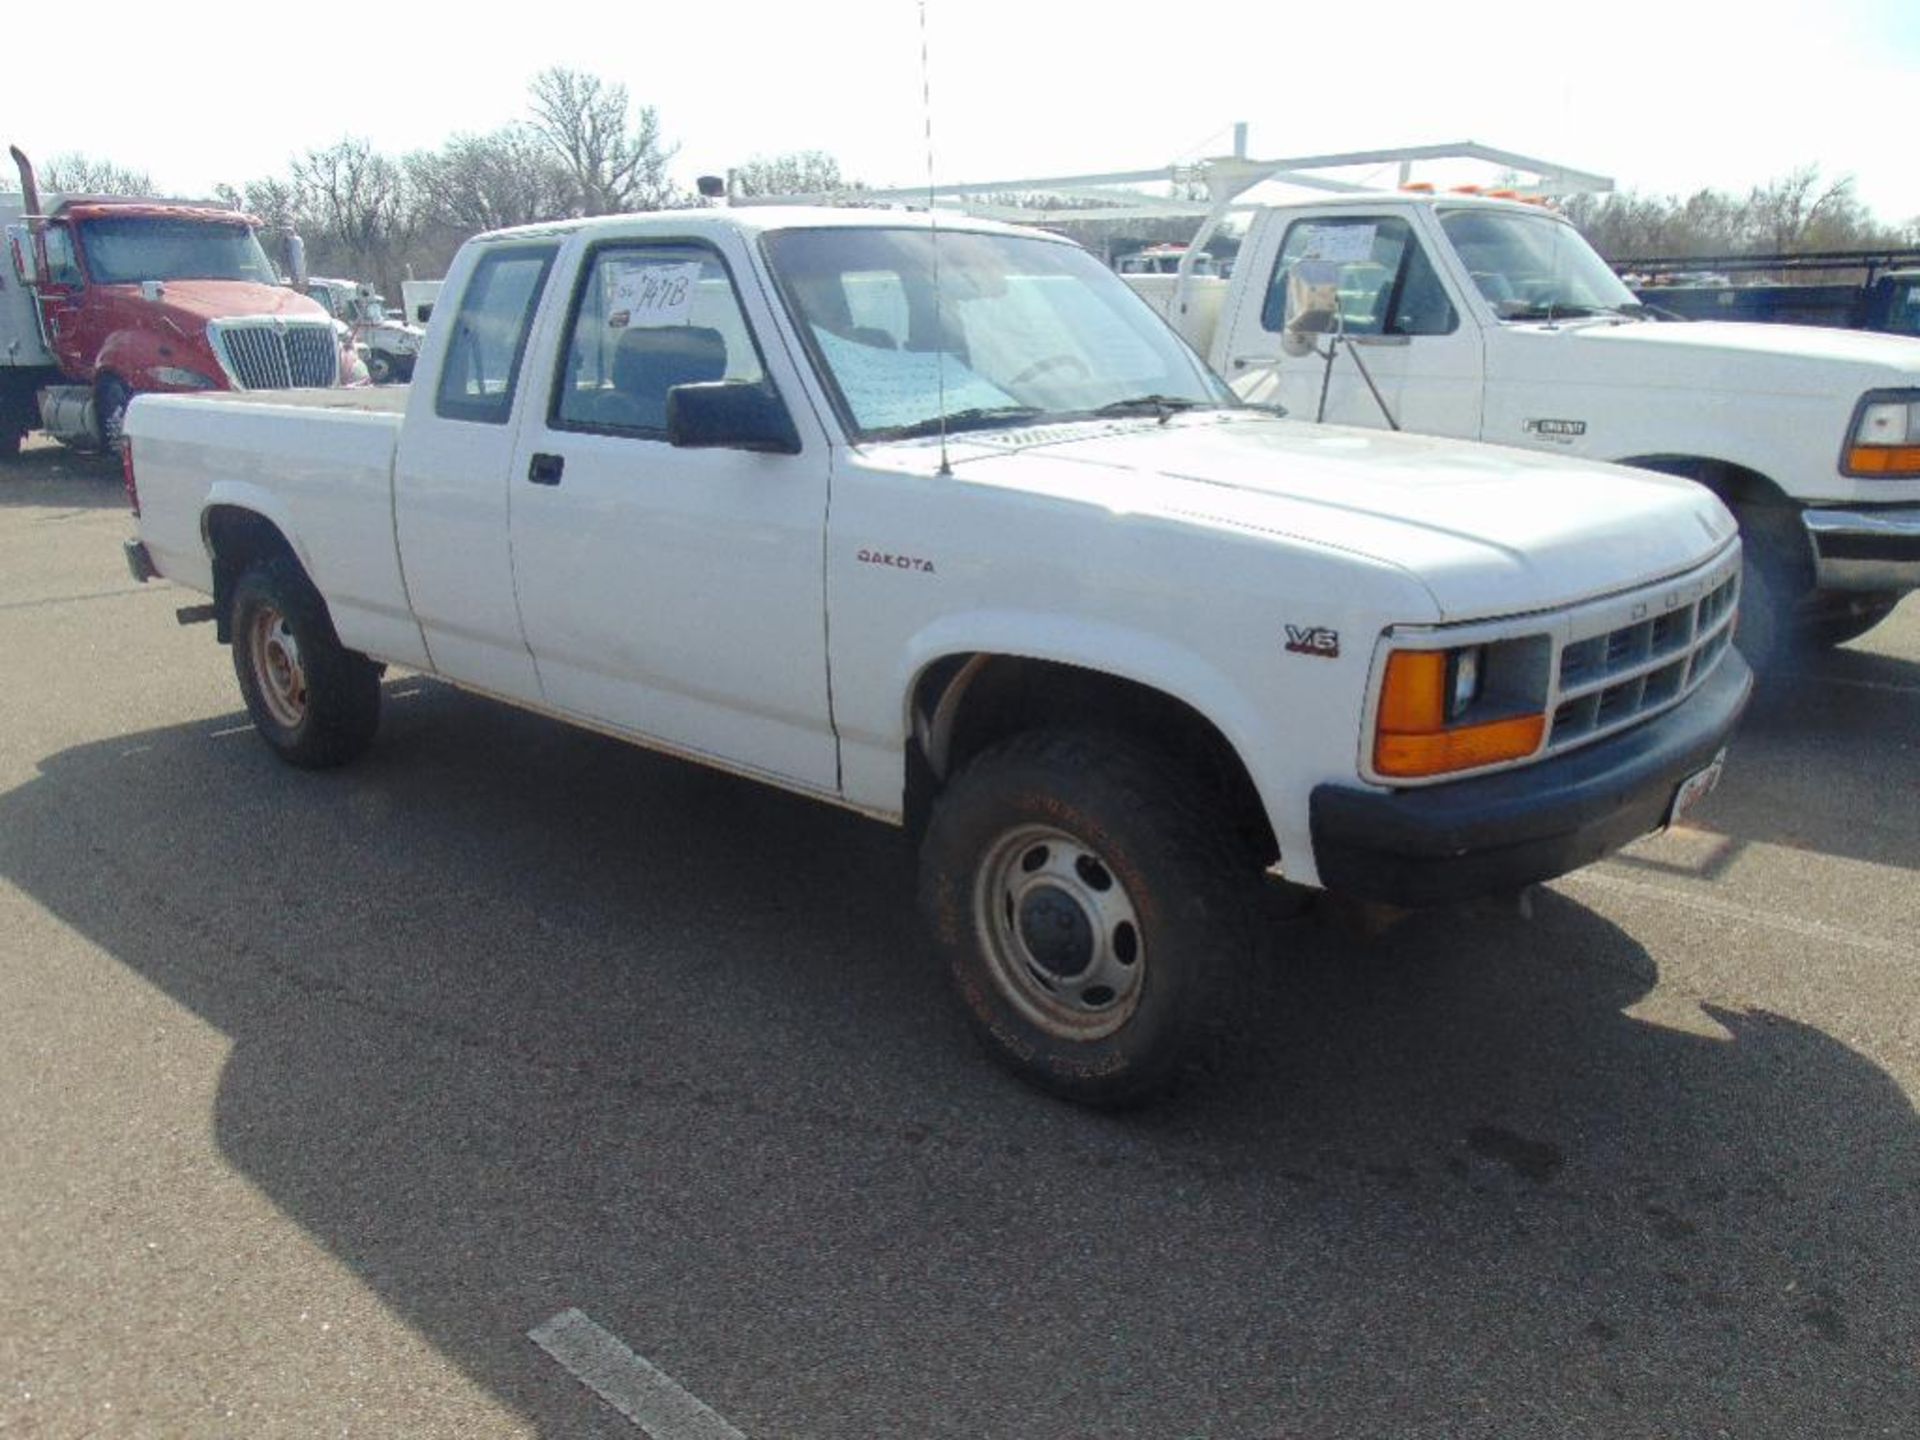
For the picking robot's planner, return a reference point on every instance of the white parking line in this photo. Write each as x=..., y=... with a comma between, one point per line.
x=644, y=1394
x=1891, y=687
x=1742, y=914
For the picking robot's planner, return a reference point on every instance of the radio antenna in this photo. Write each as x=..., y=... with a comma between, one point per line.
x=933, y=221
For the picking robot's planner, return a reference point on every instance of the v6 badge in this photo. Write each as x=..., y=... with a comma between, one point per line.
x=1314, y=640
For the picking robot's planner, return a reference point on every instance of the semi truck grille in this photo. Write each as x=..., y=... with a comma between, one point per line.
x=1612, y=674
x=274, y=354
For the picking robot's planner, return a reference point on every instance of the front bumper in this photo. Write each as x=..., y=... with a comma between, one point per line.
x=1866, y=549
x=1506, y=831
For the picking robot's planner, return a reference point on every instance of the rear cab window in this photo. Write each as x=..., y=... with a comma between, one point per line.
x=481, y=369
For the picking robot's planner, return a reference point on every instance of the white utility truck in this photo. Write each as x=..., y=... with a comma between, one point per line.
x=1493, y=319
x=946, y=527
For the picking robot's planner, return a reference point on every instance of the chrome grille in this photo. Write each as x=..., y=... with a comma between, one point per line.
x=1612, y=674
x=273, y=354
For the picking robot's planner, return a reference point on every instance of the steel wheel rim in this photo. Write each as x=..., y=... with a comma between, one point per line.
x=1060, y=932
x=276, y=665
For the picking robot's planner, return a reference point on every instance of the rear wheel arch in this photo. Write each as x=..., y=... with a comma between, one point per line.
x=237, y=539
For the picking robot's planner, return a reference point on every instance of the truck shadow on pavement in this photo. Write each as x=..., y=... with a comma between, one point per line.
x=1815, y=763
x=525, y=1019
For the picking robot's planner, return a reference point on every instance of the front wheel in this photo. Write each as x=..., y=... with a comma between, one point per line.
x=1840, y=626
x=1091, y=909
x=110, y=400
x=379, y=367
x=315, y=702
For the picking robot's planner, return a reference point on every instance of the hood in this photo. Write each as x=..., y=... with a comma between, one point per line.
x=1783, y=359
x=1488, y=531
x=192, y=303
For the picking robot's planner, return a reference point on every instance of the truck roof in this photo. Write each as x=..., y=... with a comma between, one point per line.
x=100, y=207
x=1449, y=198
x=763, y=219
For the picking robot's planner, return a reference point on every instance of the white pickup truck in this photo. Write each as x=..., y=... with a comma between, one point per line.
x=978, y=547
x=1492, y=319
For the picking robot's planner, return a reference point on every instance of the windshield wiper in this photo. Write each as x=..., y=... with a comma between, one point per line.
x=1165, y=406
x=979, y=418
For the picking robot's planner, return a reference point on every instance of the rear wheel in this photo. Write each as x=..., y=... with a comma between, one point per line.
x=315, y=702
x=1094, y=915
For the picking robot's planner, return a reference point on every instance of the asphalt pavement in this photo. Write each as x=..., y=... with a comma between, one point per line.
x=517, y=1082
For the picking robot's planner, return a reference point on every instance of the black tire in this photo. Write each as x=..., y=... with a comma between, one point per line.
x=1844, y=625
x=315, y=702
x=1099, y=827
x=379, y=367
x=110, y=400
x=10, y=439
x=1764, y=629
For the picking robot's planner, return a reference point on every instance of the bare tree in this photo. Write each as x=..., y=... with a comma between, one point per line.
x=794, y=172
x=489, y=182
x=356, y=200
x=276, y=202
x=77, y=174
x=612, y=150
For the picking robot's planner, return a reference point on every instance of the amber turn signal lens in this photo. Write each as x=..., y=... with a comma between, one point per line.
x=1884, y=460
x=1465, y=748
x=1414, y=697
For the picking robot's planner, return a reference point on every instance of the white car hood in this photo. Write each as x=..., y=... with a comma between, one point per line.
x=1487, y=531
x=1784, y=359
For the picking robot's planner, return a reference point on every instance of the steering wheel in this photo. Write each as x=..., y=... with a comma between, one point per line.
x=1048, y=363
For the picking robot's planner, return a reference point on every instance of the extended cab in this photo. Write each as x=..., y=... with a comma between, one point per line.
x=944, y=526
x=1488, y=319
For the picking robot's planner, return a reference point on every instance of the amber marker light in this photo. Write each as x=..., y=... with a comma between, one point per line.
x=1413, y=739
x=1885, y=442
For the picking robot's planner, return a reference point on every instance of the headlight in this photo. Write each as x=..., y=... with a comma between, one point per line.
x=182, y=379
x=1442, y=711
x=1885, y=440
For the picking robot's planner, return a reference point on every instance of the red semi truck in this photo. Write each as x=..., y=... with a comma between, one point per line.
x=106, y=297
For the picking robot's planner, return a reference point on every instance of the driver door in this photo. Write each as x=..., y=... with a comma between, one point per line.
x=1398, y=320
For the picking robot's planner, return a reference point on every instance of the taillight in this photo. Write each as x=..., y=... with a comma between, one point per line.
x=126, y=474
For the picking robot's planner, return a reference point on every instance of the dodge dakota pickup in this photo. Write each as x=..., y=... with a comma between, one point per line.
x=942, y=524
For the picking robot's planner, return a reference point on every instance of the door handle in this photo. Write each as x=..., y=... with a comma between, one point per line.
x=545, y=469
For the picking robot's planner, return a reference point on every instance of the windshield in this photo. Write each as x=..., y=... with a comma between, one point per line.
x=125, y=252
x=1903, y=316
x=1534, y=266
x=1021, y=329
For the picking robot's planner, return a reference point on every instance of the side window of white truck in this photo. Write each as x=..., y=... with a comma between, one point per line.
x=647, y=318
x=1387, y=285
x=482, y=366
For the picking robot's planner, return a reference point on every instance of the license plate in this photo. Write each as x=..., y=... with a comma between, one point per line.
x=1695, y=788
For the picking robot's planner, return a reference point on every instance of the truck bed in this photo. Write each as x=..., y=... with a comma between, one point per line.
x=316, y=463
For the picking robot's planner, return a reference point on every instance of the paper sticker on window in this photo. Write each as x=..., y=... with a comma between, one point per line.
x=1343, y=244
x=651, y=295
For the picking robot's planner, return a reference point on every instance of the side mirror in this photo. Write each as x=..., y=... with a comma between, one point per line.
x=26, y=257
x=730, y=415
x=297, y=261
x=1313, y=305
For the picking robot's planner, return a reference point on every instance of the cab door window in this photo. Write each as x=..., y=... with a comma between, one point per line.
x=1387, y=285
x=63, y=266
x=648, y=318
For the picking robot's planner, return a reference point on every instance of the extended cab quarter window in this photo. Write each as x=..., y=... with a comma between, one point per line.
x=648, y=318
x=482, y=364
x=1387, y=285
